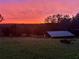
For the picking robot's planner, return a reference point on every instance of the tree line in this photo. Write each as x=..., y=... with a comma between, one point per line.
x=63, y=19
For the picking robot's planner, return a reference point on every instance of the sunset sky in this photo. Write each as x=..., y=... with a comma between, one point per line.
x=34, y=11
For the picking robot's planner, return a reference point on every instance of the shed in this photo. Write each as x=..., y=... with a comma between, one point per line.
x=60, y=34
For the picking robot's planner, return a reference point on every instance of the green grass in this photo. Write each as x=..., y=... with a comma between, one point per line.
x=37, y=48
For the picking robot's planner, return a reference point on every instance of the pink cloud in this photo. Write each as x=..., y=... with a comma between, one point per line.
x=37, y=11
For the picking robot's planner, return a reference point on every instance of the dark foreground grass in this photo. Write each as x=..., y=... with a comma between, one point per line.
x=37, y=48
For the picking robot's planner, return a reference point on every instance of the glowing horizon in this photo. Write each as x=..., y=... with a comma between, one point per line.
x=33, y=11
x=21, y=22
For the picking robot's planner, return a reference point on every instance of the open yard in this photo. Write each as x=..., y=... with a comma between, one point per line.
x=37, y=48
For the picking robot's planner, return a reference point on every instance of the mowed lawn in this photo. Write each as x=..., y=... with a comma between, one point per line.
x=37, y=48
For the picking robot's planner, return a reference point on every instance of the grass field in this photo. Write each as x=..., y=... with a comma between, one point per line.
x=37, y=48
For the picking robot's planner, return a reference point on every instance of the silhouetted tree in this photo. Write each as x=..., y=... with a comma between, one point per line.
x=48, y=19
x=65, y=20
x=75, y=20
x=1, y=18
x=58, y=19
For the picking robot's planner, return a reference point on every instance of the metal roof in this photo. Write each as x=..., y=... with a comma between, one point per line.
x=60, y=33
